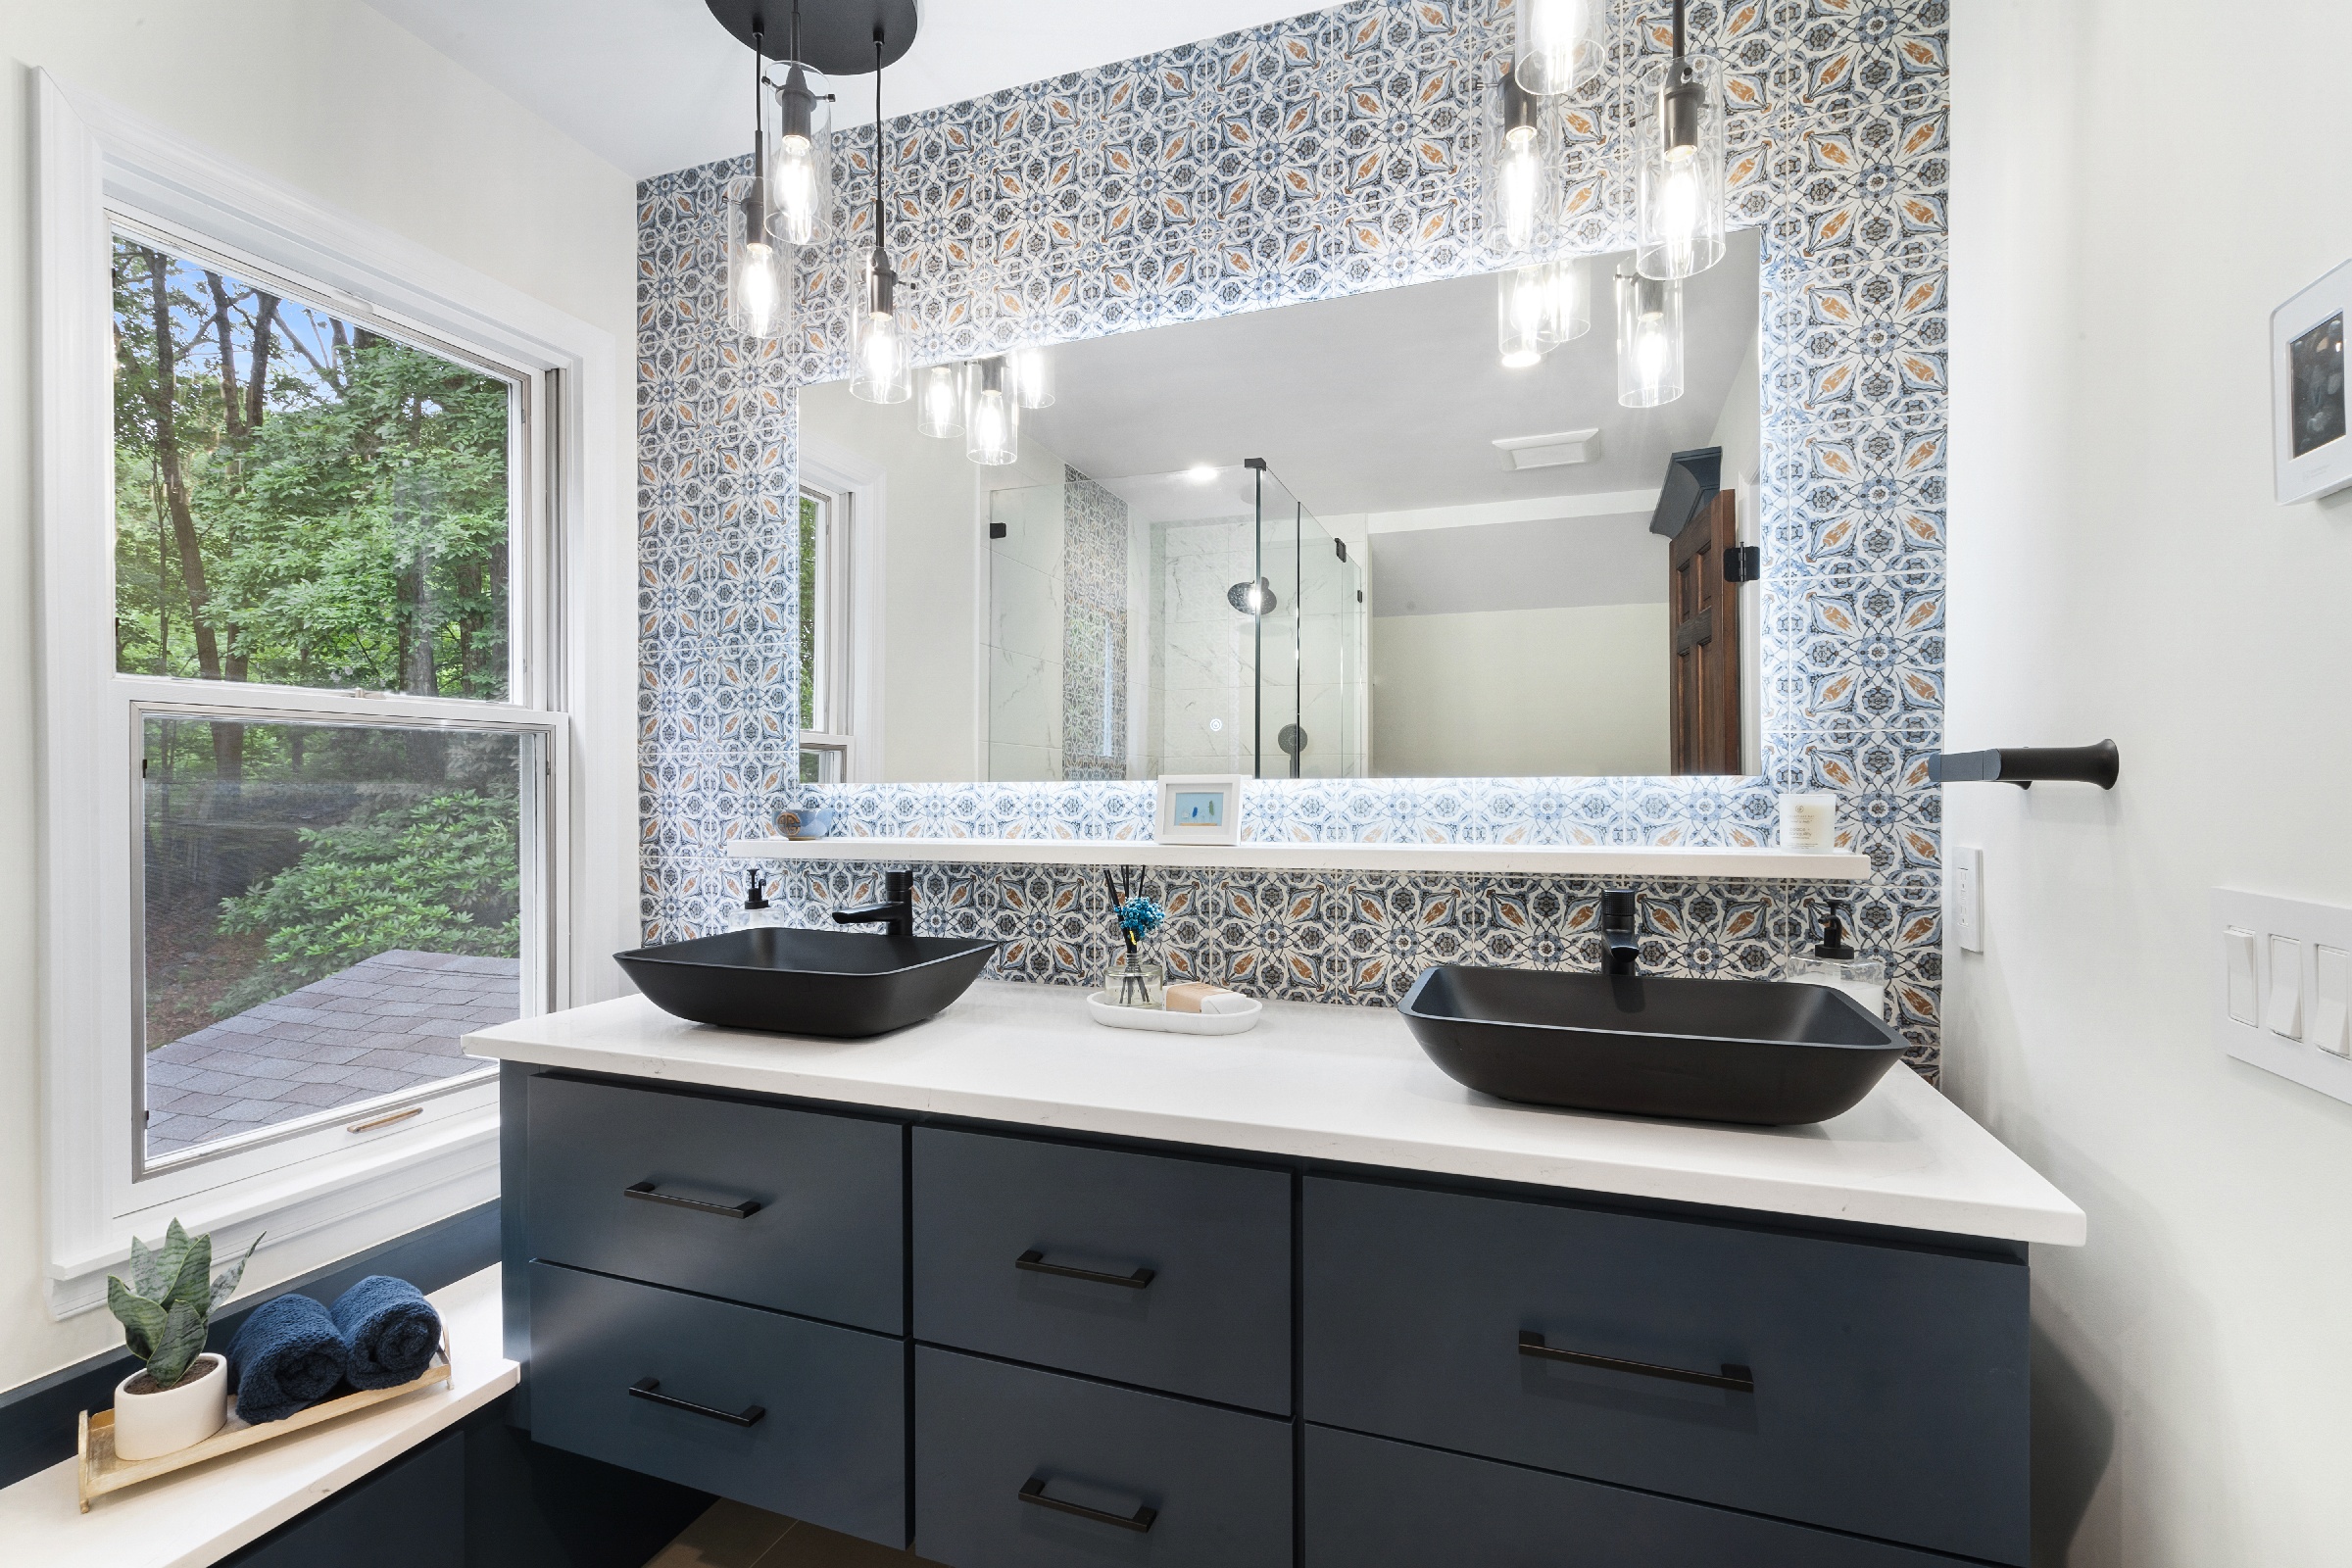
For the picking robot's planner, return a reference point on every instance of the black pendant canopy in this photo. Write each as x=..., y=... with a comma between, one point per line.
x=837, y=36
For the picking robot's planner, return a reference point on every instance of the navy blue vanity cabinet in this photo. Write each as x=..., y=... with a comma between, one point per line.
x=1170, y=1273
x=1373, y=1503
x=1019, y=1468
x=798, y=1417
x=1865, y=1386
x=781, y=1208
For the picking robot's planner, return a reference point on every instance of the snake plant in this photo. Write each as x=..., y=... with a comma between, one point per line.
x=168, y=1303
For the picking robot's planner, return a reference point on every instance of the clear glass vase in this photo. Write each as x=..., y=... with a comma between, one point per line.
x=1136, y=980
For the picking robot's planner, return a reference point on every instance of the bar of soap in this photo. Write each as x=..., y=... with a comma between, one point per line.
x=1198, y=996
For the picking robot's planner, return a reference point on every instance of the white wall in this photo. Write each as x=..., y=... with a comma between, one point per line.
x=364, y=117
x=1510, y=693
x=2138, y=184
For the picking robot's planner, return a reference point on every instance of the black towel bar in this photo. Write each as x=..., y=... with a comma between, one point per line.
x=2025, y=766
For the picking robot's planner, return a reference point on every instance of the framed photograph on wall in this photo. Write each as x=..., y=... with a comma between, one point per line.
x=2311, y=455
x=1199, y=808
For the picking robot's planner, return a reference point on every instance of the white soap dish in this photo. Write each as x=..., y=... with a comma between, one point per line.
x=1173, y=1023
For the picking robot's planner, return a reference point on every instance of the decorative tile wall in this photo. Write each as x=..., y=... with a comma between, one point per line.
x=1324, y=155
x=1093, y=659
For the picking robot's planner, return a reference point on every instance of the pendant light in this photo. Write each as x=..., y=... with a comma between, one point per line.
x=1540, y=306
x=1033, y=378
x=1520, y=190
x=939, y=400
x=1680, y=136
x=991, y=425
x=1557, y=45
x=1650, y=340
x=878, y=337
x=799, y=181
x=759, y=266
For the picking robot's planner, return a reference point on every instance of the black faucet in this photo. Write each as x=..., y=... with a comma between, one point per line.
x=1621, y=948
x=895, y=915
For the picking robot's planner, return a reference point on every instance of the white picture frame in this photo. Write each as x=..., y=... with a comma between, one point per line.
x=1199, y=809
x=2310, y=446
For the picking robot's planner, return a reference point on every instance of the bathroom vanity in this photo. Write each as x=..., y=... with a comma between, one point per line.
x=1013, y=1289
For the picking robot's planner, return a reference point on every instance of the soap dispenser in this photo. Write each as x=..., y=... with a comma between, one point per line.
x=1833, y=963
x=756, y=910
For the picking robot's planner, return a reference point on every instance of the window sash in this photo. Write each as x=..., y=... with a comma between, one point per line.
x=537, y=844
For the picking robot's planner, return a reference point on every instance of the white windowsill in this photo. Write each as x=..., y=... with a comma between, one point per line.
x=1556, y=859
x=202, y=1515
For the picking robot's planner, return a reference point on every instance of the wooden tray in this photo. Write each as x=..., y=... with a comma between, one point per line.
x=99, y=1472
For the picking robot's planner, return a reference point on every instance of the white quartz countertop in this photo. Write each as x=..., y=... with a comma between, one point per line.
x=1331, y=1083
x=202, y=1513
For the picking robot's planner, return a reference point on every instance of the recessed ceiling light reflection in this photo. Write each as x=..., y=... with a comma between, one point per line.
x=1201, y=472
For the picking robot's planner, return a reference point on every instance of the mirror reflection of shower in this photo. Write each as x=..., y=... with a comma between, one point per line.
x=1196, y=621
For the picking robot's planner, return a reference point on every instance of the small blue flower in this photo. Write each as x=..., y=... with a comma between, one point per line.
x=1140, y=917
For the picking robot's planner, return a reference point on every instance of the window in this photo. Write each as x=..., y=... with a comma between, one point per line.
x=825, y=696
x=337, y=702
x=303, y=500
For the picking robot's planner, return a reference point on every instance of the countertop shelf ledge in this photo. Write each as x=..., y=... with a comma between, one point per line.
x=1310, y=855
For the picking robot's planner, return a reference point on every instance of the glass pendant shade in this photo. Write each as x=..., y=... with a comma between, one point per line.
x=1650, y=340
x=1559, y=46
x=1033, y=378
x=1522, y=188
x=798, y=175
x=939, y=400
x=1567, y=302
x=1679, y=197
x=1521, y=300
x=991, y=425
x=879, y=344
x=759, y=269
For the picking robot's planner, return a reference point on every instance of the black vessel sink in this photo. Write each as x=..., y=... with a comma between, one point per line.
x=1762, y=1052
x=845, y=984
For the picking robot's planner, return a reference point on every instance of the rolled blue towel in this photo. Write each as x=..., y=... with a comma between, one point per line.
x=287, y=1354
x=392, y=1330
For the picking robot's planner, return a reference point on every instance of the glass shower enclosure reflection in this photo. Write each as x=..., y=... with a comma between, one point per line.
x=1195, y=622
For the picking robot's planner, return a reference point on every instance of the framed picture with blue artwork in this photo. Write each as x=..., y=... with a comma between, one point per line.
x=2311, y=454
x=1199, y=808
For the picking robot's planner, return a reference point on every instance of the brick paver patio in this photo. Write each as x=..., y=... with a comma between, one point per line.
x=389, y=1022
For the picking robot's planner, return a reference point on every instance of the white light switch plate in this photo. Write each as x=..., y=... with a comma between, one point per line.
x=2288, y=1015
x=1965, y=876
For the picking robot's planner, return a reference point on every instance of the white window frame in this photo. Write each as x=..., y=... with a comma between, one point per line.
x=858, y=491
x=319, y=1191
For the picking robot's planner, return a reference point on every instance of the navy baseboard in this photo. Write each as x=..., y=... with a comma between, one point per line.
x=37, y=1420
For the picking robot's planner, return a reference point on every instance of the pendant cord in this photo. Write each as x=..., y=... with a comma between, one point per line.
x=1677, y=30
x=759, y=126
x=881, y=155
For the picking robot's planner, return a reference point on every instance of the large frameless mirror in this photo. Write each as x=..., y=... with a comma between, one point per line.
x=1485, y=526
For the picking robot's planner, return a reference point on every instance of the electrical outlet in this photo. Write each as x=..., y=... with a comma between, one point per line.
x=1964, y=874
x=2282, y=987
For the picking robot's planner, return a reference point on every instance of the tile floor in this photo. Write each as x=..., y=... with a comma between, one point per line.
x=386, y=1023
x=730, y=1535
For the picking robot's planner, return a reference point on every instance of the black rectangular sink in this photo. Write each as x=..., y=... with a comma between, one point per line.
x=1762, y=1052
x=843, y=984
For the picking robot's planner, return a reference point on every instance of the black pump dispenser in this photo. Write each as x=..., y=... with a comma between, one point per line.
x=1833, y=944
x=756, y=897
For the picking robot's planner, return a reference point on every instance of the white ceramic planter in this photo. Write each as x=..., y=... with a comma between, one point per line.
x=148, y=1426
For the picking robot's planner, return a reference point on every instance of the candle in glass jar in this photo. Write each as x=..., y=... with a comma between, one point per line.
x=1809, y=823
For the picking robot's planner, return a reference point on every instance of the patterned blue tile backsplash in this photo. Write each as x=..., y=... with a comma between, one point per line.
x=1331, y=154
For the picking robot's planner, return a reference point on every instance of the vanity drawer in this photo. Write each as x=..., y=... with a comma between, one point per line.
x=792, y=1210
x=1887, y=1384
x=1018, y=1468
x=1372, y=1503
x=1170, y=1273
x=826, y=1434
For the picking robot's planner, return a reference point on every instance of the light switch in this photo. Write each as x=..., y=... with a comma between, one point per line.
x=2284, y=1011
x=1966, y=867
x=2331, y=990
x=2245, y=990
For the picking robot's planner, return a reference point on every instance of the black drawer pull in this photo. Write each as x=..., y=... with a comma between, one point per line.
x=649, y=1193
x=1034, y=1490
x=1035, y=1263
x=1738, y=1379
x=651, y=1389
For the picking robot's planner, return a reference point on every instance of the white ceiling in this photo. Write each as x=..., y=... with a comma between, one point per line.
x=654, y=85
x=1391, y=400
